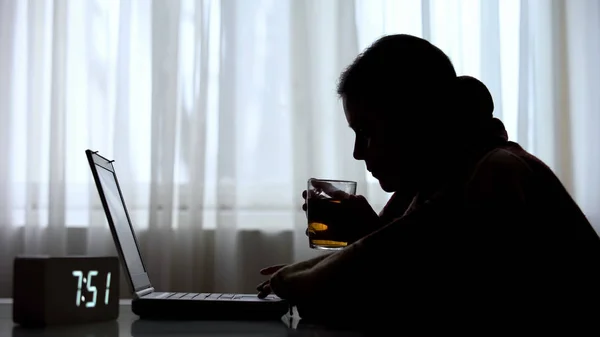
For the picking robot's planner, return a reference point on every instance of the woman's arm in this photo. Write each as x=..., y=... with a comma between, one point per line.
x=452, y=245
x=303, y=265
x=407, y=242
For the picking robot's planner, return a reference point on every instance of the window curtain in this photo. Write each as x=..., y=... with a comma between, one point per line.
x=217, y=112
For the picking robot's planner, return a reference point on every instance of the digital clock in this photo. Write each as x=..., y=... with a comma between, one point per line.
x=65, y=290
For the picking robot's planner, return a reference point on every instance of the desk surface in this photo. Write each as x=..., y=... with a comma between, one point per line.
x=128, y=324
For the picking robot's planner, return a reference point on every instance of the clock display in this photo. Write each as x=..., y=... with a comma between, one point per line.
x=56, y=290
x=86, y=282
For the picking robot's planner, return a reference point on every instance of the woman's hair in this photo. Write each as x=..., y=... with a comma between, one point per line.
x=407, y=75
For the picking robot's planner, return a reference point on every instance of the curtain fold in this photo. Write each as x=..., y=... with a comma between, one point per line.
x=218, y=112
x=227, y=179
x=491, y=51
x=524, y=77
x=193, y=144
x=164, y=116
x=582, y=82
x=37, y=79
x=8, y=19
x=56, y=235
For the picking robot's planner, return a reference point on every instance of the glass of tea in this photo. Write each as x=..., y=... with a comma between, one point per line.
x=324, y=210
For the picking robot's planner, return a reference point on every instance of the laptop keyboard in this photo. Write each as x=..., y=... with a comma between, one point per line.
x=200, y=296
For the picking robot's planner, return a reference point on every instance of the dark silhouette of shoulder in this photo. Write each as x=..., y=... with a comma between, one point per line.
x=516, y=183
x=506, y=244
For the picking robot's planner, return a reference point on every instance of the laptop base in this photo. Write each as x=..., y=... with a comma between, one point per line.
x=175, y=309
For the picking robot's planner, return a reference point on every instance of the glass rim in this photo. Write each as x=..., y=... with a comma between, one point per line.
x=332, y=181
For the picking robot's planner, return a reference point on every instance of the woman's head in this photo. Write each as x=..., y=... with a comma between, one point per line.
x=403, y=99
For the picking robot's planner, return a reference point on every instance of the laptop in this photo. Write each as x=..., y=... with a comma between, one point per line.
x=151, y=304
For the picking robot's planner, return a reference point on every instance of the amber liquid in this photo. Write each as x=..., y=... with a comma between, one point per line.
x=319, y=235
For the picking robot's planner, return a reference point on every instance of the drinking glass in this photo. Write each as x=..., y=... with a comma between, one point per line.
x=324, y=209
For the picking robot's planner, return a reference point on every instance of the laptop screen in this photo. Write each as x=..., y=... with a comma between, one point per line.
x=122, y=227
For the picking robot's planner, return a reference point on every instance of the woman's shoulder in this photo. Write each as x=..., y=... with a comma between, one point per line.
x=505, y=171
x=509, y=156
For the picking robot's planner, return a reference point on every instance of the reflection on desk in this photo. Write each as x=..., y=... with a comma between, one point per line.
x=105, y=329
x=145, y=328
x=288, y=326
x=128, y=324
x=142, y=328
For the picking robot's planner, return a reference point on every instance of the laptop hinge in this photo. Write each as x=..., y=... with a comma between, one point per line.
x=143, y=292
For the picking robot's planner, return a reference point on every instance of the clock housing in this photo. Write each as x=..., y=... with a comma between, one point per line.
x=65, y=290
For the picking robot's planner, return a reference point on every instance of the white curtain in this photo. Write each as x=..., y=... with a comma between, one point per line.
x=217, y=112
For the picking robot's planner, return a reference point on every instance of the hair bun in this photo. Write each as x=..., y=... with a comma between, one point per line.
x=474, y=98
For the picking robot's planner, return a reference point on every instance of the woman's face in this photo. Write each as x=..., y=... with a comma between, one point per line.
x=390, y=153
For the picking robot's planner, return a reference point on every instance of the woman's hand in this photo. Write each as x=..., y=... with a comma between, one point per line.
x=349, y=220
x=264, y=289
x=282, y=272
x=279, y=280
